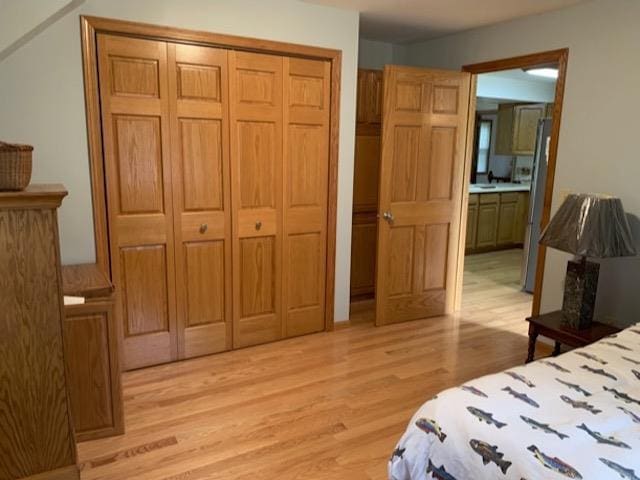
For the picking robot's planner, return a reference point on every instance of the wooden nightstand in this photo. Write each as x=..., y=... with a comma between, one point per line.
x=551, y=325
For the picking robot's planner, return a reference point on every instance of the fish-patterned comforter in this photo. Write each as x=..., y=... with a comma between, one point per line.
x=573, y=416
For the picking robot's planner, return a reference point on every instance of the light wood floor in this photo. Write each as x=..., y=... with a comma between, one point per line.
x=325, y=406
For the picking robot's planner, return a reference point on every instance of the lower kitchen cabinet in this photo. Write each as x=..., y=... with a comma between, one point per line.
x=496, y=221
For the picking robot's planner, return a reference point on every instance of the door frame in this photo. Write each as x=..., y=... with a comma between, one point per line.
x=90, y=27
x=561, y=58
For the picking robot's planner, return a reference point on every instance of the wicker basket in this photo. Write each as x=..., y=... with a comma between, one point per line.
x=15, y=166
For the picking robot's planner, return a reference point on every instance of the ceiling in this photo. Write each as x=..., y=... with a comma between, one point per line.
x=402, y=21
x=519, y=74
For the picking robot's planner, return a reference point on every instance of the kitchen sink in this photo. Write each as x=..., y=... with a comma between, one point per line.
x=488, y=187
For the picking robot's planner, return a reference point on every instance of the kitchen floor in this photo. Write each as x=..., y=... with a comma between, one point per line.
x=492, y=285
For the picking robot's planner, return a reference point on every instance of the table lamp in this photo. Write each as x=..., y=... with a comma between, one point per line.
x=588, y=226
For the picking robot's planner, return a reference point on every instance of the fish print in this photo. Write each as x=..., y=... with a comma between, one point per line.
x=637, y=362
x=622, y=396
x=490, y=453
x=521, y=396
x=439, y=473
x=625, y=473
x=599, y=371
x=634, y=417
x=602, y=439
x=636, y=373
x=398, y=452
x=575, y=387
x=591, y=357
x=554, y=463
x=521, y=378
x=617, y=345
x=580, y=404
x=474, y=390
x=485, y=417
x=431, y=426
x=542, y=426
x=555, y=365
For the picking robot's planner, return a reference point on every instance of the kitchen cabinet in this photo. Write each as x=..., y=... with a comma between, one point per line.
x=496, y=221
x=517, y=128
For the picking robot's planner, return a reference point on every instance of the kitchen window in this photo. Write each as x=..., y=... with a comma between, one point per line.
x=483, y=146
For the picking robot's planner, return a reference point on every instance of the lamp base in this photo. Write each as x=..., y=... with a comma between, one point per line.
x=580, y=288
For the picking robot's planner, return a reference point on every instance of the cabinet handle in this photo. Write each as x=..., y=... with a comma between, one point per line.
x=258, y=225
x=203, y=227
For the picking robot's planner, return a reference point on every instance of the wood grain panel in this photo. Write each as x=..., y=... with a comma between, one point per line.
x=307, y=156
x=199, y=117
x=486, y=235
x=134, y=76
x=139, y=195
x=507, y=223
x=306, y=170
x=144, y=273
x=401, y=255
x=202, y=164
x=257, y=276
x=423, y=145
x=139, y=164
x=200, y=82
x=256, y=89
x=35, y=428
x=366, y=173
x=86, y=343
x=443, y=156
x=363, y=255
x=435, y=256
x=256, y=143
x=205, y=267
x=405, y=163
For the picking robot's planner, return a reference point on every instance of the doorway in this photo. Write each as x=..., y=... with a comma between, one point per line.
x=513, y=207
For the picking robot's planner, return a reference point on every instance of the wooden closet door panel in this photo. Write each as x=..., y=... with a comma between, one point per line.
x=256, y=110
x=306, y=136
x=199, y=106
x=135, y=121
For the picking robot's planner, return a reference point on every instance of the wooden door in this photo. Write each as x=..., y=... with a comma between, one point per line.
x=525, y=128
x=363, y=254
x=202, y=202
x=506, y=223
x=472, y=224
x=256, y=118
x=305, y=190
x=423, y=144
x=135, y=121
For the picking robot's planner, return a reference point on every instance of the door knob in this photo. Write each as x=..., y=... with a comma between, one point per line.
x=388, y=216
x=258, y=225
x=203, y=227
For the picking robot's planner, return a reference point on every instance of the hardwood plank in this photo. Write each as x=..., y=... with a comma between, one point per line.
x=259, y=414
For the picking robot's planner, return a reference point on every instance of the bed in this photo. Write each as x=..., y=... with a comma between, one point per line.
x=573, y=416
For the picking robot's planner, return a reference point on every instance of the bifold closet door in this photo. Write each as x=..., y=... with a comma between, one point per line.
x=202, y=202
x=135, y=121
x=306, y=170
x=256, y=114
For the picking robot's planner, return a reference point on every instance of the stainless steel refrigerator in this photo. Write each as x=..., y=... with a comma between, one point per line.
x=536, y=201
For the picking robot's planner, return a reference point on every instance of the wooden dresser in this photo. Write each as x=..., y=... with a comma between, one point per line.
x=36, y=435
x=92, y=354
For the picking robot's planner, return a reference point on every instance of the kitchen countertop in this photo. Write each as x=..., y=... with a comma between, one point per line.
x=499, y=187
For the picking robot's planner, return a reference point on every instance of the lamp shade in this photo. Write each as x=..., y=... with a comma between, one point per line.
x=591, y=226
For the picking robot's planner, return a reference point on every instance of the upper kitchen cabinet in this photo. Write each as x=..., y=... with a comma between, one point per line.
x=517, y=127
x=369, y=96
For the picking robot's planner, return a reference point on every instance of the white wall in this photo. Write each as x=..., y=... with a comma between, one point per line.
x=42, y=99
x=373, y=54
x=598, y=149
